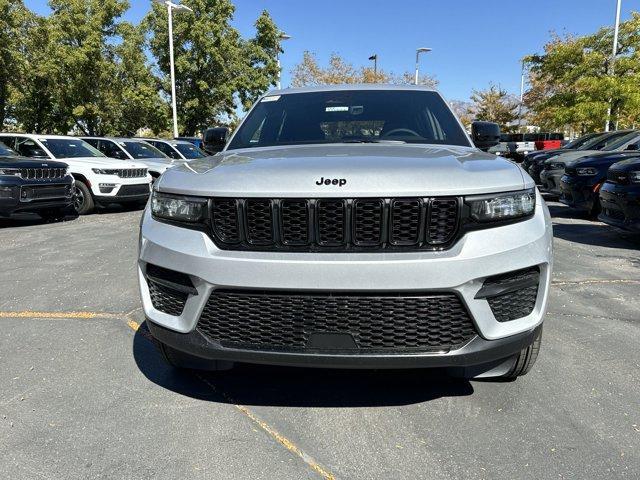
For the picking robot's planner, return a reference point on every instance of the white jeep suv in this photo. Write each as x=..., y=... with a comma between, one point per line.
x=99, y=180
x=349, y=227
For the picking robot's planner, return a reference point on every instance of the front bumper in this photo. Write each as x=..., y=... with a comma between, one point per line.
x=126, y=193
x=461, y=270
x=550, y=180
x=475, y=353
x=578, y=192
x=621, y=206
x=33, y=196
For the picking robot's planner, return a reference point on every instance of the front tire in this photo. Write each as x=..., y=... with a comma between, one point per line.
x=525, y=360
x=83, y=202
x=183, y=361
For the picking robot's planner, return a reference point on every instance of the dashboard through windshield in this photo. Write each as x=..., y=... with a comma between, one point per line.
x=350, y=116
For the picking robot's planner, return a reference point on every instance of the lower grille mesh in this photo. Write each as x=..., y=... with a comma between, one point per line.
x=520, y=296
x=286, y=321
x=166, y=299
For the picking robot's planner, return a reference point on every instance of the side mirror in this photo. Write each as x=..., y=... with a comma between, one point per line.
x=485, y=135
x=215, y=139
x=633, y=146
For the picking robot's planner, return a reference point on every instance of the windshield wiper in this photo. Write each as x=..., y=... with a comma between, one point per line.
x=372, y=140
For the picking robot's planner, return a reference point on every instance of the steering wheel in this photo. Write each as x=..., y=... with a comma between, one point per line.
x=396, y=131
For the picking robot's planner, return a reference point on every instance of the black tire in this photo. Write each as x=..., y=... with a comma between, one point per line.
x=184, y=361
x=526, y=359
x=53, y=214
x=595, y=209
x=83, y=203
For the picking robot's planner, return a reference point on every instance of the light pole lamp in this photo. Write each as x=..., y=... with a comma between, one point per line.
x=282, y=37
x=418, y=52
x=170, y=8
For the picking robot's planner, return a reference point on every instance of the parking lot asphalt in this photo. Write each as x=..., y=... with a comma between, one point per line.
x=86, y=395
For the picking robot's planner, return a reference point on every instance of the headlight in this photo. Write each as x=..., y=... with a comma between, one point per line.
x=503, y=206
x=178, y=207
x=555, y=166
x=102, y=171
x=10, y=171
x=634, y=177
x=587, y=172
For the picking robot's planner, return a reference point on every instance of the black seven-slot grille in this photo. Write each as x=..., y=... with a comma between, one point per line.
x=292, y=321
x=335, y=224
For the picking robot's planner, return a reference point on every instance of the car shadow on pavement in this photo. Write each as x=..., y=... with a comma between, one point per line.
x=593, y=232
x=298, y=387
x=29, y=219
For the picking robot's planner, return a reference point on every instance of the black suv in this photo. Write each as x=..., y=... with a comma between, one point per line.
x=30, y=185
x=620, y=196
x=582, y=180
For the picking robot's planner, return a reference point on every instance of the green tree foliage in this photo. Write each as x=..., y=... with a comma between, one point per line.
x=339, y=71
x=14, y=18
x=103, y=85
x=573, y=82
x=494, y=105
x=216, y=70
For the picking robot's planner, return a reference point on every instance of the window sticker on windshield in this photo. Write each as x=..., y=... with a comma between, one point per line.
x=336, y=109
x=271, y=98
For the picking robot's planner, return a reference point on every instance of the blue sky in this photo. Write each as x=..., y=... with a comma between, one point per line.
x=474, y=43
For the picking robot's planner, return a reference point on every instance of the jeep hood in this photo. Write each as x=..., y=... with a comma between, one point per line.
x=571, y=156
x=369, y=170
x=100, y=162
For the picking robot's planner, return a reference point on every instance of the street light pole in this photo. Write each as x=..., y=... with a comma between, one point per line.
x=170, y=7
x=374, y=57
x=613, y=57
x=174, y=107
x=283, y=36
x=418, y=52
x=521, y=96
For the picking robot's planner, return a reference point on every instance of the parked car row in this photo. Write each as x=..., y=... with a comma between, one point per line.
x=49, y=174
x=598, y=173
x=517, y=145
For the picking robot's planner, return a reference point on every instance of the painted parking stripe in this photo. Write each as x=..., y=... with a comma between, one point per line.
x=272, y=432
x=38, y=314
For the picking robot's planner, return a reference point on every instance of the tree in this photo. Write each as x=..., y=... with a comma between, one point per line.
x=573, y=82
x=85, y=70
x=13, y=19
x=493, y=105
x=216, y=70
x=339, y=71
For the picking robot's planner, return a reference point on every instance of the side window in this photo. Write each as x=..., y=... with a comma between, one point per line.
x=9, y=142
x=166, y=149
x=29, y=148
x=110, y=149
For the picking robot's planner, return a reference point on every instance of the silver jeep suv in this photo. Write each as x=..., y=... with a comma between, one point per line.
x=348, y=227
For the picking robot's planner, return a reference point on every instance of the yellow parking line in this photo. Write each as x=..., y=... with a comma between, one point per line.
x=34, y=314
x=284, y=441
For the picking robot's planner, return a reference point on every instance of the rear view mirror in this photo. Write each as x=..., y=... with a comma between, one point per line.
x=485, y=135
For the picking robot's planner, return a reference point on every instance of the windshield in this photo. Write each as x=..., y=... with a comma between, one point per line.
x=6, y=151
x=70, y=148
x=601, y=141
x=620, y=142
x=189, y=151
x=581, y=141
x=142, y=150
x=350, y=116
